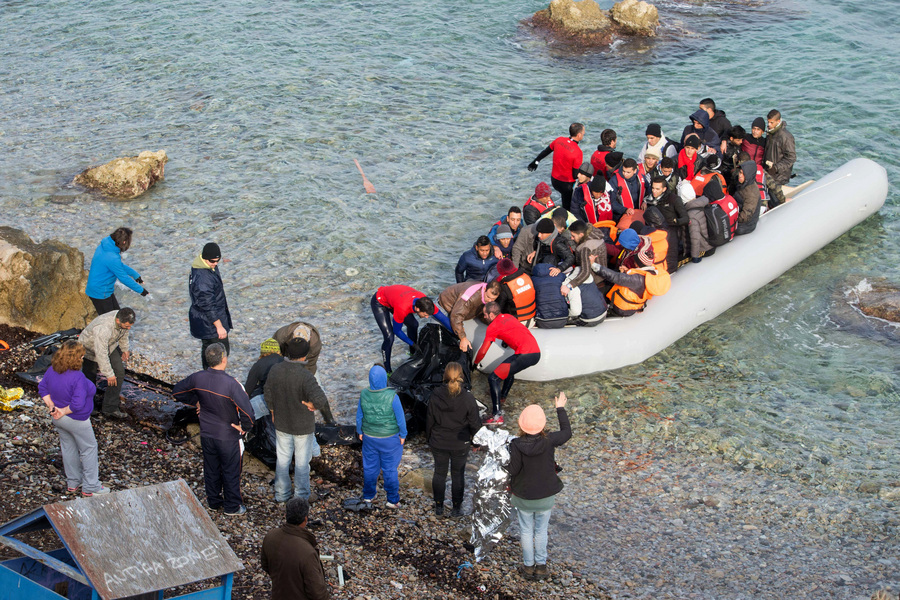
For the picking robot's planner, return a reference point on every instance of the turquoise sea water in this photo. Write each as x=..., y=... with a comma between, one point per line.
x=262, y=107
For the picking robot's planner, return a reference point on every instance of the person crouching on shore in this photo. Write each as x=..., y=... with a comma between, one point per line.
x=534, y=483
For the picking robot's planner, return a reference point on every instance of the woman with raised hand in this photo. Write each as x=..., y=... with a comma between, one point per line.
x=450, y=423
x=70, y=397
x=534, y=482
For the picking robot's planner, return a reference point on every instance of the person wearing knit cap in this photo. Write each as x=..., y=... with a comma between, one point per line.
x=592, y=205
x=209, y=317
x=585, y=173
x=513, y=222
x=689, y=159
x=537, y=204
x=503, y=239
x=534, y=482
x=656, y=140
x=755, y=143
x=269, y=356
x=632, y=289
x=567, y=159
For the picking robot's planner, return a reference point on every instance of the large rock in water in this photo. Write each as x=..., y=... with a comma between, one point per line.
x=636, y=17
x=586, y=24
x=879, y=299
x=128, y=177
x=41, y=285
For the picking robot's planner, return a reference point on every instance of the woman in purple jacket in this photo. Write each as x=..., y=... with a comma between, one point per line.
x=70, y=397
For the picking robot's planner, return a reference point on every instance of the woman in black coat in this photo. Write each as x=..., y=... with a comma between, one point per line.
x=534, y=482
x=451, y=422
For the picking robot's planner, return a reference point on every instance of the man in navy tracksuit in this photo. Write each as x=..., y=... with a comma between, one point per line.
x=225, y=415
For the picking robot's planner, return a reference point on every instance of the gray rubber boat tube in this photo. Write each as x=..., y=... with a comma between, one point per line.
x=784, y=237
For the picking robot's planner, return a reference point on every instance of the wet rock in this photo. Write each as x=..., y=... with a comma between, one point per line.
x=636, y=17
x=585, y=24
x=41, y=285
x=128, y=177
x=881, y=302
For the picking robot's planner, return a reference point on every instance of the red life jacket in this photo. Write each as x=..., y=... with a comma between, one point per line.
x=537, y=205
x=761, y=183
x=684, y=161
x=596, y=210
x=598, y=161
x=625, y=192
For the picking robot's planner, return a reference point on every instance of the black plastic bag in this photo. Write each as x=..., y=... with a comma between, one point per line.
x=418, y=377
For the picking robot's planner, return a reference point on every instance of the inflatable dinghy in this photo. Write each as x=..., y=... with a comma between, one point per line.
x=817, y=214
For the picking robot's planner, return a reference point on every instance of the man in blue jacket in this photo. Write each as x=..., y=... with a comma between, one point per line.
x=475, y=262
x=209, y=316
x=225, y=415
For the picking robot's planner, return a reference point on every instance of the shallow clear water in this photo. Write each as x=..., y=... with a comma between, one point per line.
x=262, y=108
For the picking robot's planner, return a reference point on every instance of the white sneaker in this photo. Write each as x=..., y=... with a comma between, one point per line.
x=392, y=505
x=100, y=492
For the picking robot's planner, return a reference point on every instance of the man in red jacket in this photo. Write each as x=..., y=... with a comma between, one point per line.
x=566, y=161
x=526, y=353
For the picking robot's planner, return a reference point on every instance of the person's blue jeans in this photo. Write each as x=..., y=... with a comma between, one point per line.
x=381, y=455
x=533, y=530
x=298, y=448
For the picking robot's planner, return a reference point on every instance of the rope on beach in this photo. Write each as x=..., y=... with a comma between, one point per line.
x=465, y=565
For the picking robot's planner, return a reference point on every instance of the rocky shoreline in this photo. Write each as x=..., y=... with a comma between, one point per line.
x=645, y=513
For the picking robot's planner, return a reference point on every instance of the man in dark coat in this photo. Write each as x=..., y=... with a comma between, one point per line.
x=780, y=155
x=225, y=415
x=710, y=142
x=306, y=331
x=209, y=316
x=747, y=196
x=293, y=395
x=290, y=556
x=475, y=262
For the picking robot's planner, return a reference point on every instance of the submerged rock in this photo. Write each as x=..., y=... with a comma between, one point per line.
x=128, y=177
x=41, y=285
x=586, y=24
x=870, y=308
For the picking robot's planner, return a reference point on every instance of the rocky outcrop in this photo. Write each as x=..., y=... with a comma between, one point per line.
x=879, y=299
x=636, y=17
x=128, y=177
x=41, y=285
x=584, y=23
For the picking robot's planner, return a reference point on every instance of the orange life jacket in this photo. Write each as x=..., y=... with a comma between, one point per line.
x=522, y=289
x=627, y=302
x=611, y=228
x=701, y=179
x=660, y=241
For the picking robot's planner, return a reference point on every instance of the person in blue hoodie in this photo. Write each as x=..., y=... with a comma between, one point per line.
x=381, y=425
x=107, y=267
x=708, y=138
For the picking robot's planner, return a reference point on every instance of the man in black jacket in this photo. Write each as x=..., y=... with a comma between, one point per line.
x=293, y=395
x=225, y=415
x=209, y=317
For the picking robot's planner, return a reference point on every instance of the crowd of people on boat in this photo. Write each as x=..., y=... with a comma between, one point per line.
x=621, y=227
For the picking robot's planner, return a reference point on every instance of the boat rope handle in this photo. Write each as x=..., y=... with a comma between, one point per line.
x=823, y=186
